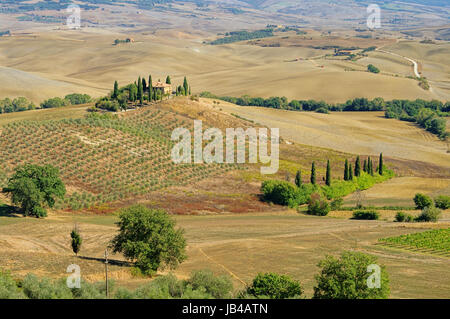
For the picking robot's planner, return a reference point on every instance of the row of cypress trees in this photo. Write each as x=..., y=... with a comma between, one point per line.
x=368, y=167
x=349, y=172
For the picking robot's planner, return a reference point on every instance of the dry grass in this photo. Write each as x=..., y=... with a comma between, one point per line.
x=87, y=62
x=237, y=245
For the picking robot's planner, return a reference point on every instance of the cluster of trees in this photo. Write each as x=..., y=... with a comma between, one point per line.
x=354, y=178
x=345, y=277
x=356, y=104
x=70, y=99
x=138, y=92
x=17, y=105
x=237, y=36
x=428, y=114
x=372, y=68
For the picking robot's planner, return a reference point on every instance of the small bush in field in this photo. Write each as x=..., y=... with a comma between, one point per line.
x=429, y=214
x=442, y=202
x=318, y=206
x=366, y=215
x=403, y=217
x=274, y=286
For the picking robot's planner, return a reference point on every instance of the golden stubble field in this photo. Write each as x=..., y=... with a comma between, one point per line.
x=237, y=245
x=44, y=63
x=352, y=132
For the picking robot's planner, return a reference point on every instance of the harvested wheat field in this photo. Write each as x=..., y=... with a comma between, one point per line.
x=89, y=62
x=352, y=132
x=237, y=245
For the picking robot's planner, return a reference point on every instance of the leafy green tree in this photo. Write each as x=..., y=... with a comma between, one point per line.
x=328, y=174
x=76, y=241
x=274, y=286
x=116, y=90
x=357, y=167
x=149, y=238
x=32, y=187
x=313, y=173
x=422, y=201
x=346, y=174
x=380, y=165
x=278, y=192
x=349, y=276
x=298, y=178
x=168, y=81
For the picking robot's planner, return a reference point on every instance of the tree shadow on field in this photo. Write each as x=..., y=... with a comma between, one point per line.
x=113, y=262
x=9, y=211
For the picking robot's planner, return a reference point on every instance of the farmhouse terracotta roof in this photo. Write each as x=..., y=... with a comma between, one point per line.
x=161, y=85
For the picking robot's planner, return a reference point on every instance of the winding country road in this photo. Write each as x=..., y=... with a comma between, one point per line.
x=416, y=65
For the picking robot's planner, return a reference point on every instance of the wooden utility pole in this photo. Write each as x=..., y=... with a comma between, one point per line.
x=106, y=270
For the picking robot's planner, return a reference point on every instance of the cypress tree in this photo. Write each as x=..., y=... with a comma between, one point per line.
x=144, y=85
x=185, y=86
x=116, y=90
x=357, y=167
x=313, y=173
x=76, y=241
x=346, y=176
x=328, y=175
x=365, y=166
x=298, y=178
x=140, y=92
x=380, y=165
x=150, y=88
x=350, y=172
x=370, y=166
x=168, y=80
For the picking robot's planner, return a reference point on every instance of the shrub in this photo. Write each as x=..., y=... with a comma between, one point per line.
x=429, y=214
x=348, y=278
x=403, y=217
x=274, y=286
x=54, y=102
x=8, y=287
x=76, y=98
x=318, y=206
x=336, y=204
x=442, y=202
x=278, y=192
x=422, y=201
x=366, y=215
x=35, y=288
x=218, y=287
